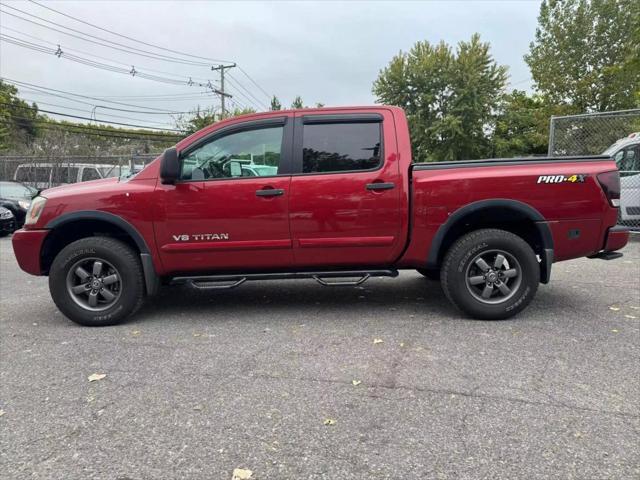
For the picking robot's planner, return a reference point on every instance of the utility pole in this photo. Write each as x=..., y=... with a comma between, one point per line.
x=221, y=92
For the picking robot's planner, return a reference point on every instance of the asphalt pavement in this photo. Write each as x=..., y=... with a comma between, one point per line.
x=293, y=380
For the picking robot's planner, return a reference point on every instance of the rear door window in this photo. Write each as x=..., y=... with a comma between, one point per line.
x=340, y=147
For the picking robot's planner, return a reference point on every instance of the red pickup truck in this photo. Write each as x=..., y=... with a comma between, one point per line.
x=329, y=194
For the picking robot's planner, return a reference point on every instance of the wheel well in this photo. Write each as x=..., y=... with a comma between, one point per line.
x=503, y=218
x=69, y=232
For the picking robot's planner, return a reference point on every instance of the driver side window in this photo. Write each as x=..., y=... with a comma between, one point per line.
x=241, y=154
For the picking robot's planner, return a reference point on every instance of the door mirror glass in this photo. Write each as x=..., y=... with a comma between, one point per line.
x=169, y=166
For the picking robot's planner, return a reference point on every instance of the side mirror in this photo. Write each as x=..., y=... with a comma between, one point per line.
x=169, y=166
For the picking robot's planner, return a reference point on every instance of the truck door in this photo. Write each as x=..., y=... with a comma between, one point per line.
x=345, y=196
x=214, y=218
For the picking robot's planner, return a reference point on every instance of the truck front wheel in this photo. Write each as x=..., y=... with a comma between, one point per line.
x=490, y=274
x=97, y=281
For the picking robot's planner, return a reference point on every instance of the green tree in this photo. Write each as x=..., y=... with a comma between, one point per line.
x=297, y=103
x=450, y=97
x=200, y=118
x=275, y=104
x=522, y=125
x=18, y=119
x=585, y=54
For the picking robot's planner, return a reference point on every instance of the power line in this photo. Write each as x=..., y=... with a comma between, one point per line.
x=127, y=48
x=104, y=58
x=255, y=101
x=39, y=102
x=32, y=85
x=90, y=130
x=92, y=63
x=105, y=99
x=136, y=51
x=129, y=38
x=254, y=82
x=87, y=118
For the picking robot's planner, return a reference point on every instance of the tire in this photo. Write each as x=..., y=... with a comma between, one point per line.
x=477, y=282
x=112, y=291
x=430, y=274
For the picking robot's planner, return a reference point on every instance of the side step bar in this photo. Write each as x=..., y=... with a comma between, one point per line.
x=225, y=282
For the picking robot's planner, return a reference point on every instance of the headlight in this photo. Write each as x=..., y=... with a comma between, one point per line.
x=24, y=204
x=35, y=209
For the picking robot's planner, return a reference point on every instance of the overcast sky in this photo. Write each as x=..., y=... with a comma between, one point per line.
x=327, y=52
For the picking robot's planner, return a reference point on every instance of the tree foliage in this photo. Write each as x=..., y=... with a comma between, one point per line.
x=450, y=97
x=275, y=104
x=297, y=103
x=18, y=119
x=522, y=125
x=586, y=53
x=200, y=118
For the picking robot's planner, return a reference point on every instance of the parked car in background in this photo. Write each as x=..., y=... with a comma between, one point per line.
x=122, y=171
x=16, y=197
x=7, y=222
x=626, y=153
x=253, y=170
x=47, y=175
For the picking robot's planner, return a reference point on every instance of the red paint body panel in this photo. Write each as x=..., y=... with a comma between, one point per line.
x=256, y=224
x=338, y=207
x=26, y=246
x=439, y=193
x=615, y=240
x=331, y=219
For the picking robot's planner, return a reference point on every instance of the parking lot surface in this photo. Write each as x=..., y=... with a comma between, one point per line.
x=297, y=381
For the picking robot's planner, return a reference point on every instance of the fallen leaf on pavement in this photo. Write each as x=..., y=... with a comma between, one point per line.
x=329, y=421
x=615, y=309
x=96, y=376
x=630, y=316
x=1, y=412
x=614, y=330
x=241, y=474
x=135, y=332
x=356, y=382
x=377, y=340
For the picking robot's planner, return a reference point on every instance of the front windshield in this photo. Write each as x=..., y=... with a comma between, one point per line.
x=15, y=190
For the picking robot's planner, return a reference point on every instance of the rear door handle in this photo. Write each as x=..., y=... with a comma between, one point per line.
x=380, y=186
x=269, y=192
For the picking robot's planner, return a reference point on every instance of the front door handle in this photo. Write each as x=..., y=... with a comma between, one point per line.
x=380, y=186
x=269, y=192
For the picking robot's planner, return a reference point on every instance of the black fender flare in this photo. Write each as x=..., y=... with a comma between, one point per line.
x=514, y=205
x=151, y=279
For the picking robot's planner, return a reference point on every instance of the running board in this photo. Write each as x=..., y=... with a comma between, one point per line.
x=225, y=282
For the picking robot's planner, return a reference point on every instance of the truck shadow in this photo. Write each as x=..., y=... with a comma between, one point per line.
x=410, y=294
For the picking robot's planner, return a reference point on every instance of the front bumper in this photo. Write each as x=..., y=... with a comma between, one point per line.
x=27, y=245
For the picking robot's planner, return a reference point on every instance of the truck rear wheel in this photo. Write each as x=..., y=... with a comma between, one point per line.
x=97, y=281
x=490, y=274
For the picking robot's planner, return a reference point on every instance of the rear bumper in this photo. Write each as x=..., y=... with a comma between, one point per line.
x=616, y=238
x=27, y=245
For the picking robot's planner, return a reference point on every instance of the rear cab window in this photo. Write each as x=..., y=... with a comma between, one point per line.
x=341, y=146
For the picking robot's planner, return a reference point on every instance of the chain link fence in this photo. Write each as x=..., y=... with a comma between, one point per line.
x=48, y=171
x=616, y=134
